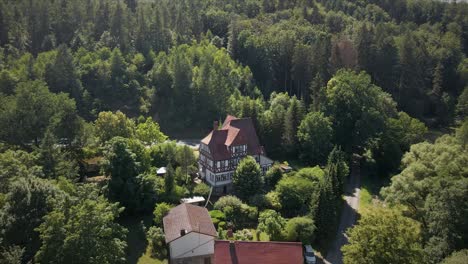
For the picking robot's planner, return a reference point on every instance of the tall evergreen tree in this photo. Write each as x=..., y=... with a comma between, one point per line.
x=62, y=76
x=292, y=120
x=169, y=180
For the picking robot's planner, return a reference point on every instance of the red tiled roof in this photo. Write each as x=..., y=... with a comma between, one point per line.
x=247, y=252
x=235, y=131
x=190, y=218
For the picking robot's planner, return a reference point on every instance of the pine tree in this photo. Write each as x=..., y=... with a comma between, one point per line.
x=364, y=48
x=3, y=25
x=53, y=160
x=232, y=45
x=339, y=169
x=142, y=41
x=62, y=76
x=315, y=92
x=437, y=80
x=169, y=180
x=102, y=19
x=118, y=28
x=327, y=212
x=292, y=120
x=316, y=17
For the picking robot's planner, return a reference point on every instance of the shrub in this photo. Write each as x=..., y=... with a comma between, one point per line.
x=156, y=240
x=243, y=235
x=300, y=229
x=202, y=189
x=238, y=213
x=160, y=211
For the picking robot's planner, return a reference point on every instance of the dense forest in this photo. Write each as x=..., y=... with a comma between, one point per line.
x=323, y=80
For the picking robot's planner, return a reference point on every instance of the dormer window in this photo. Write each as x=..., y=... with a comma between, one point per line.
x=239, y=149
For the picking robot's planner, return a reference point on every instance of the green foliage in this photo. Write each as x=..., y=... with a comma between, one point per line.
x=337, y=170
x=202, y=189
x=462, y=133
x=217, y=217
x=272, y=223
x=292, y=120
x=82, y=230
x=109, y=125
x=160, y=211
x=458, y=257
x=11, y=255
x=326, y=209
x=400, y=134
x=315, y=134
x=126, y=161
x=26, y=204
x=157, y=242
x=163, y=154
x=236, y=212
x=187, y=63
x=185, y=158
x=462, y=105
x=54, y=160
x=314, y=174
x=32, y=110
x=17, y=164
x=169, y=181
x=149, y=132
x=273, y=176
x=384, y=236
x=243, y=235
x=295, y=193
x=247, y=179
x=432, y=185
x=301, y=229
x=357, y=107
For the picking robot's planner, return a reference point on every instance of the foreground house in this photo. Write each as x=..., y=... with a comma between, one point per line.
x=190, y=234
x=222, y=150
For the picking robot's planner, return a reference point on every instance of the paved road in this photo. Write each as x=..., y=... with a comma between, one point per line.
x=193, y=143
x=348, y=215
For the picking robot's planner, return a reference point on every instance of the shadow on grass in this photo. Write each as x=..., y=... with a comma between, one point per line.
x=136, y=238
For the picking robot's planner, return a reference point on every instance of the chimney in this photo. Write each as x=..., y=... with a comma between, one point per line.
x=215, y=125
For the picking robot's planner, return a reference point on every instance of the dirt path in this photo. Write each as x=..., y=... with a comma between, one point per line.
x=348, y=214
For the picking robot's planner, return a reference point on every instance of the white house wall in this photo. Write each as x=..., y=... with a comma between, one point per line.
x=213, y=182
x=191, y=245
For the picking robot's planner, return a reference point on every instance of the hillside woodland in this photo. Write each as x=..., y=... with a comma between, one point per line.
x=324, y=81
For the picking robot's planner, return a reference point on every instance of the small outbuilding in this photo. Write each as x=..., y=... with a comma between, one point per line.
x=161, y=171
x=196, y=200
x=190, y=234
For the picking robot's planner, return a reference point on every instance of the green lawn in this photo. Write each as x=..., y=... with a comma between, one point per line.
x=365, y=199
x=370, y=189
x=138, y=251
x=147, y=259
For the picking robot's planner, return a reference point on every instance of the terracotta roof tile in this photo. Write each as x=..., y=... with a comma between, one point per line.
x=190, y=218
x=235, y=131
x=248, y=252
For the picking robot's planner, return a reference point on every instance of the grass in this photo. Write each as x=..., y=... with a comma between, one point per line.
x=370, y=189
x=138, y=251
x=365, y=199
x=147, y=259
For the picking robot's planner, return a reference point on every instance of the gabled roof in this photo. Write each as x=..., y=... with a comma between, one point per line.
x=235, y=131
x=249, y=252
x=190, y=218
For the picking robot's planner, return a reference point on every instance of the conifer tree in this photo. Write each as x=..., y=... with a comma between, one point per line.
x=292, y=120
